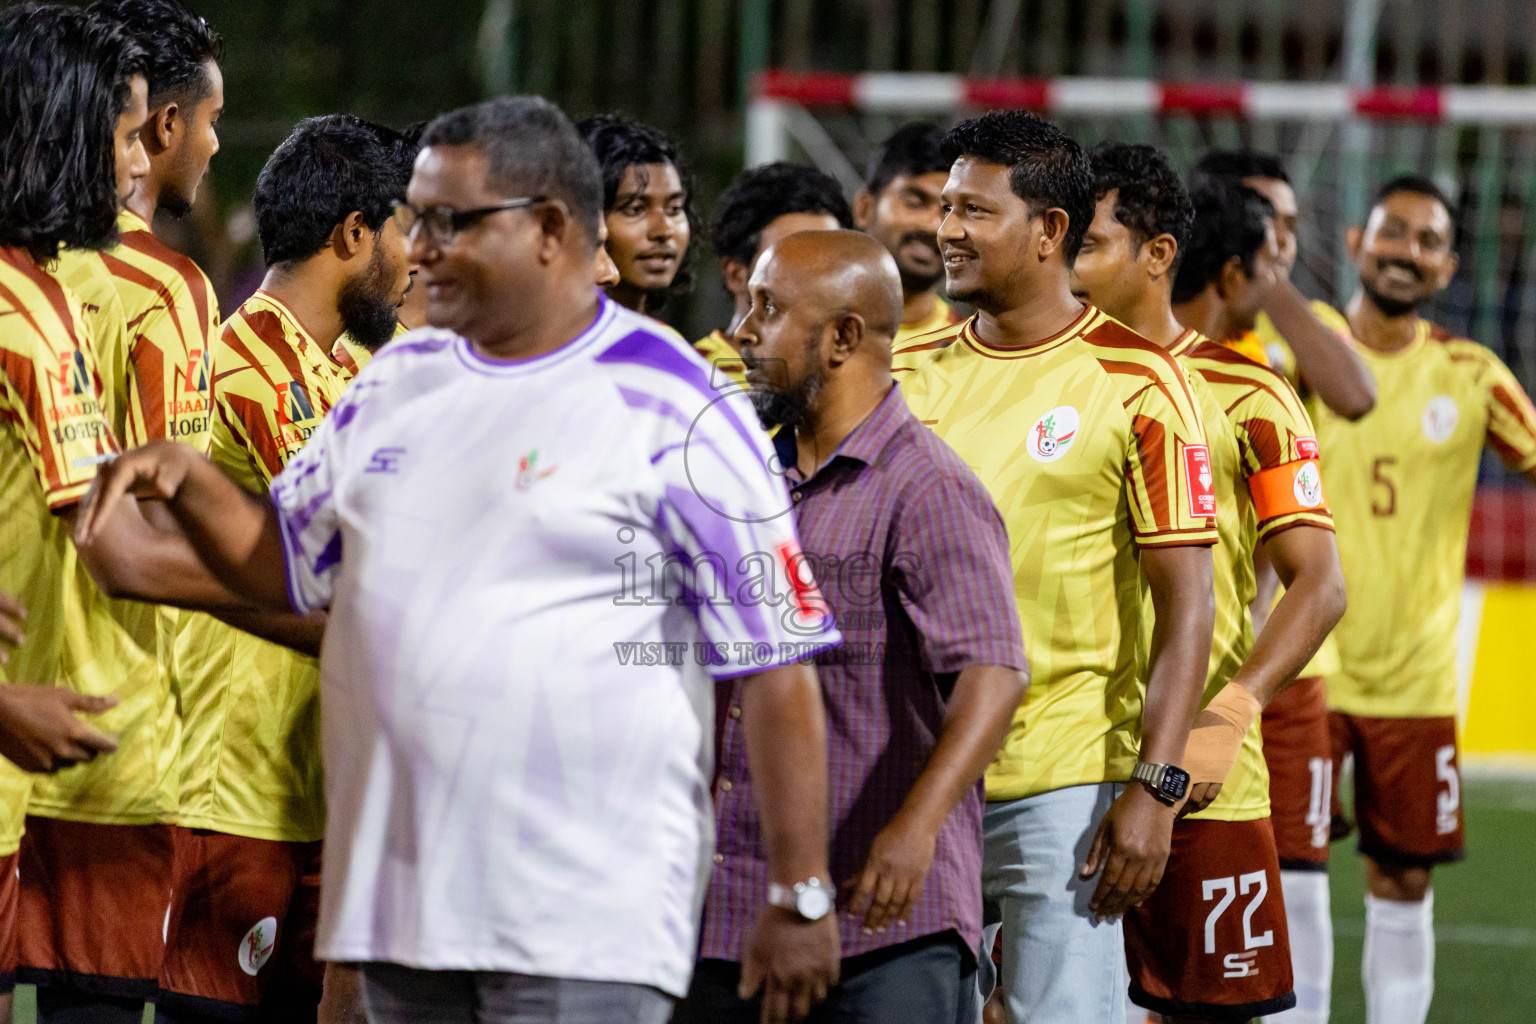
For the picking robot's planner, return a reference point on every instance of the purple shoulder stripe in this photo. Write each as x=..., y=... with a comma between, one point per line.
x=643, y=348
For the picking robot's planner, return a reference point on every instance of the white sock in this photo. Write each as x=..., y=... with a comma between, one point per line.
x=1399, y=964
x=1311, y=928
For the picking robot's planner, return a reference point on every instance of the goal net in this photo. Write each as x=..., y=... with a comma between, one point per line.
x=1477, y=142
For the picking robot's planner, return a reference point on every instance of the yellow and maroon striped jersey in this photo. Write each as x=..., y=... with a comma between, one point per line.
x=251, y=708
x=52, y=437
x=1092, y=447
x=172, y=316
x=155, y=378
x=1401, y=480
x=1264, y=454
x=101, y=307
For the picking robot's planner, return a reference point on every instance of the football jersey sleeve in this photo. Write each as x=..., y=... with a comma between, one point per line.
x=1280, y=458
x=1168, y=465
x=304, y=497
x=727, y=518
x=1511, y=418
x=55, y=397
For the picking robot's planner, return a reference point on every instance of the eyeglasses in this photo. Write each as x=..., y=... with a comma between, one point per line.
x=443, y=223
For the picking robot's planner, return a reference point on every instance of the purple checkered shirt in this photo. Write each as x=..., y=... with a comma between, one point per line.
x=913, y=559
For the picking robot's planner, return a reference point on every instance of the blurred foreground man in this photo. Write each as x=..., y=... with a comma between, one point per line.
x=516, y=723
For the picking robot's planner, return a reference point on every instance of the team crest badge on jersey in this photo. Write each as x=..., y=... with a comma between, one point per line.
x=257, y=946
x=1052, y=435
x=1440, y=418
x=1197, y=467
x=1308, y=486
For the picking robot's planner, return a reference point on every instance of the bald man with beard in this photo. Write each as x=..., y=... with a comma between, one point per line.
x=912, y=559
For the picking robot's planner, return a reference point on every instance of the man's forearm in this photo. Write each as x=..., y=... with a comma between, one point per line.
x=1184, y=606
x=1326, y=363
x=1312, y=605
x=785, y=727
x=235, y=533
x=981, y=708
x=140, y=554
x=302, y=633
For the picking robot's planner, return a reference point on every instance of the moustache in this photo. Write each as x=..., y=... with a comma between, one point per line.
x=1408, y=265
x=922, y=237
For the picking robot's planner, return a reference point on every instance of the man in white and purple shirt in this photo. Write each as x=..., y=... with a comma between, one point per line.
x=541, y=536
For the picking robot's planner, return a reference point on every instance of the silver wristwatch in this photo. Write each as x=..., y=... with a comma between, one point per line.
x=1168, y=782
x=812, y=900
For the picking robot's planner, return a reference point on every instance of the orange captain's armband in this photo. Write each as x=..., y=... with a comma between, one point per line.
x=1288, y=489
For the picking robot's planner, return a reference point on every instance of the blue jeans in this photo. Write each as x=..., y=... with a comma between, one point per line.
x=1059, y=965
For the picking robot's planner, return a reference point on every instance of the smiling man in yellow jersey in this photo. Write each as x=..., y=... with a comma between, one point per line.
x=251, y=804
x=1190, y=957
x=1402, y=481
x=1089, y=440
x=760, y=206
x=900, y=206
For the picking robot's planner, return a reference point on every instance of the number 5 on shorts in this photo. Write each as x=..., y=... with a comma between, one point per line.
x=1449, y=801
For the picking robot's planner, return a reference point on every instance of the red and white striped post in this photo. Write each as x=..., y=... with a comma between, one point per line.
x=918, y=94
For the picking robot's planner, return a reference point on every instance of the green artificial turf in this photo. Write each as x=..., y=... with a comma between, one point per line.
x=1485, y=918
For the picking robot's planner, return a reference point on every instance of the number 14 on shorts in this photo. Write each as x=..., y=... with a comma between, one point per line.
x=1225, y=892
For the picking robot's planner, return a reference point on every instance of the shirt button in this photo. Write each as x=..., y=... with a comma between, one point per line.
x=725, y=785
x=735, y=712
x=719, y=858
x=797, y=496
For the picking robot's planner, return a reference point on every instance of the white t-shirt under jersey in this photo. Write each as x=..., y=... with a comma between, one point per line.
x=533, y=570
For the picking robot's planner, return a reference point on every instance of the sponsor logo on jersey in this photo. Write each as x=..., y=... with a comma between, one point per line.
x=1197, y=467
x=195, y=377
x=1052, y=435
x=257, y=946
x=1308, y=486
x=1306, y=447
x=293, y=407
x=529, y=472
x=1440, y=418
x=385, y=460
x=73, y=378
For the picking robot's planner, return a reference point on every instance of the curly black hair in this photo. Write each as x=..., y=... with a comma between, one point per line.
x=912, y=149
x=1150, y=200
x=759, y=196
x=1237, y=164
x=179, y=44
x=328, y=168
x=64, y=82
x=1047, y=168
x=620, y=142
x=1230, y=220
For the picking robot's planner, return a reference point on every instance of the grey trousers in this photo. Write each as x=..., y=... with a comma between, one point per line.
x=406, y=995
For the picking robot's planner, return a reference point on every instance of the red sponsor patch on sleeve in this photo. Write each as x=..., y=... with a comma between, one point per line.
x=1201, y=481
x=803, y=590
x=1306, y=447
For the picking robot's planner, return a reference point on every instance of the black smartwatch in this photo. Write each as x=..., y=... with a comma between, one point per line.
x=1168, y=782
